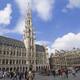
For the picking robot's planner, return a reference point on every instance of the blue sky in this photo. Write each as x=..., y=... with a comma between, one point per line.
x=53, y=20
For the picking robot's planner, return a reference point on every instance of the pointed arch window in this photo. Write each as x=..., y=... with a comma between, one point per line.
x=28, y=22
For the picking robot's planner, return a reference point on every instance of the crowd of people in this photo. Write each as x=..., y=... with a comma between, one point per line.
x=30, y=74
x=65, y=72
x=62, y=72
x=18, y=75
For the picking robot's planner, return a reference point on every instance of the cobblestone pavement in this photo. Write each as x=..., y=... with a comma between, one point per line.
x=42, y=77
x=71, y=77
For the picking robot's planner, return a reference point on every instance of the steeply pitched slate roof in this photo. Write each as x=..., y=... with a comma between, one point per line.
x=17, y=43
x=11, y=42
x=40, y=48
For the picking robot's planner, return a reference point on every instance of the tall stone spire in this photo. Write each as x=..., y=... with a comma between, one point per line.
x=29, y=38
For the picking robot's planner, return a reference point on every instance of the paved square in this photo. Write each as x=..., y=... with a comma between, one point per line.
x=71, y=77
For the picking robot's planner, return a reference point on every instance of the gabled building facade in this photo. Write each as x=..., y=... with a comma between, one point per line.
x=66, y=59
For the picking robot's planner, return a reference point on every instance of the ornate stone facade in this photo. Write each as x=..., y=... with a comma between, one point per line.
x=29, y=39
x=66, y=59
x=12, y=54
x=42, y=61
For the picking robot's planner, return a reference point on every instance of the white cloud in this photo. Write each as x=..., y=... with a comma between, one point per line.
x=20, y=26
x=67, y=42
x=43, y=8
x=22, y=4
x=42, y=42
x=73, y=4
x=5, y=15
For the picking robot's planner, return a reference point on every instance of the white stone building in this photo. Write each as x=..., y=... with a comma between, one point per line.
x=13, y=54
x=42, y=61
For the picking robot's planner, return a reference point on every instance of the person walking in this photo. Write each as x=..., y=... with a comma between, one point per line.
x=30, y=75
x=20, y=75
x=26, y=74
x=54, y=73
x=66, y=72
x=73, y=72
x=60, y=72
